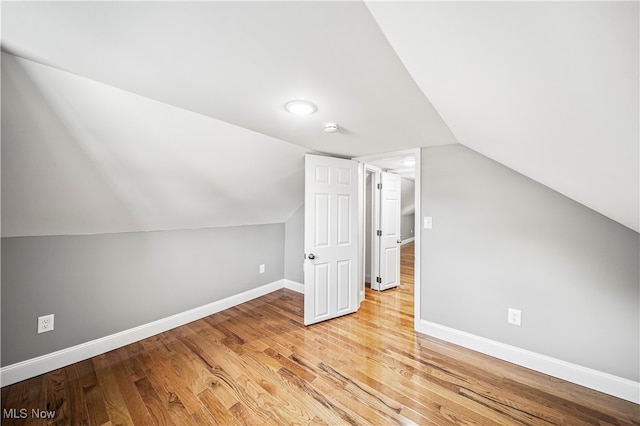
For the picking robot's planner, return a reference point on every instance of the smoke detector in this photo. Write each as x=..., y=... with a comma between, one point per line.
x=330, y=127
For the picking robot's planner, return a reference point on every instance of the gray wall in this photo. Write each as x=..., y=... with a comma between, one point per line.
x=407, y=220
x=501, y=240
x=407, y=225
x=97, y=285
x=294, y=246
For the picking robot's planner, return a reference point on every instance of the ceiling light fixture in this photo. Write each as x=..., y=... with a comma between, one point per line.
x=300, y=107
x=408, y=162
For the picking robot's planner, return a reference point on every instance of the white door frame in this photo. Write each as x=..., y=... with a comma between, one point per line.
x=417, y=226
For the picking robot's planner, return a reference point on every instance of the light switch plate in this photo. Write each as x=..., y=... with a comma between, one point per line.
x=428, y=222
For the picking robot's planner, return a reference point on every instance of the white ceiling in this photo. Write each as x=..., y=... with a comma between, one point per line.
x=240, y=62
x=84, y=157
x=398, y=165
x=162, y=98
x=549, y=89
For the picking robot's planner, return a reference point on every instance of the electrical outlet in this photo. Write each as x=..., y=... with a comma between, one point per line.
x=262, y=268
x=514, y=316
x=45, y=323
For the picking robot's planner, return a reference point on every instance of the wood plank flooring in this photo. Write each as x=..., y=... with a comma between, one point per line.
x=257, y=364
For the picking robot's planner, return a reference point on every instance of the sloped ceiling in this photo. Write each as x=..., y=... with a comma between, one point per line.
x=175, y=109
x=129, y=116
x=549, y=89
x=240, y=62
x=80, y=156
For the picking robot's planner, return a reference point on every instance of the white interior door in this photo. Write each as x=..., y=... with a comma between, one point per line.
x=375, y=230
x=390, y=239
x=330, y=238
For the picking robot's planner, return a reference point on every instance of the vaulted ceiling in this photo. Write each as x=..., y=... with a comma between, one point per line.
x=127, y=116
x=549, y=89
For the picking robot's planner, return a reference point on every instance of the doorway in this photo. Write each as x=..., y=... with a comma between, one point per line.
x=322, y=304
x=405, y=164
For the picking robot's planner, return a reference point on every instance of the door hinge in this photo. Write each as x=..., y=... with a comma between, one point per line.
x=379, y=186
x=379, y=280
x=379, y=233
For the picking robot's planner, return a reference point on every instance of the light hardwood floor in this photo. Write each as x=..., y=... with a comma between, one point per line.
x=257, y=364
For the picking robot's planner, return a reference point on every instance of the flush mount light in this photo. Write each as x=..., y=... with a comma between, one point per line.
x=408, y=162
x=300, y=107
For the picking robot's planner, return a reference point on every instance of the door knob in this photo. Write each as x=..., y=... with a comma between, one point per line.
x=399, y=241
x=312, y=256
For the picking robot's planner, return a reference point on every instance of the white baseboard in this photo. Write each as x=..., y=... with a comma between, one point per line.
x=594, y=379
x=293, y=285
x=407, y=241
x=603, y=382
x=33, y=367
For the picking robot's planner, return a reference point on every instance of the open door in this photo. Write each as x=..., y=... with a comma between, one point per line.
x=330, y=238
x=389, y=234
